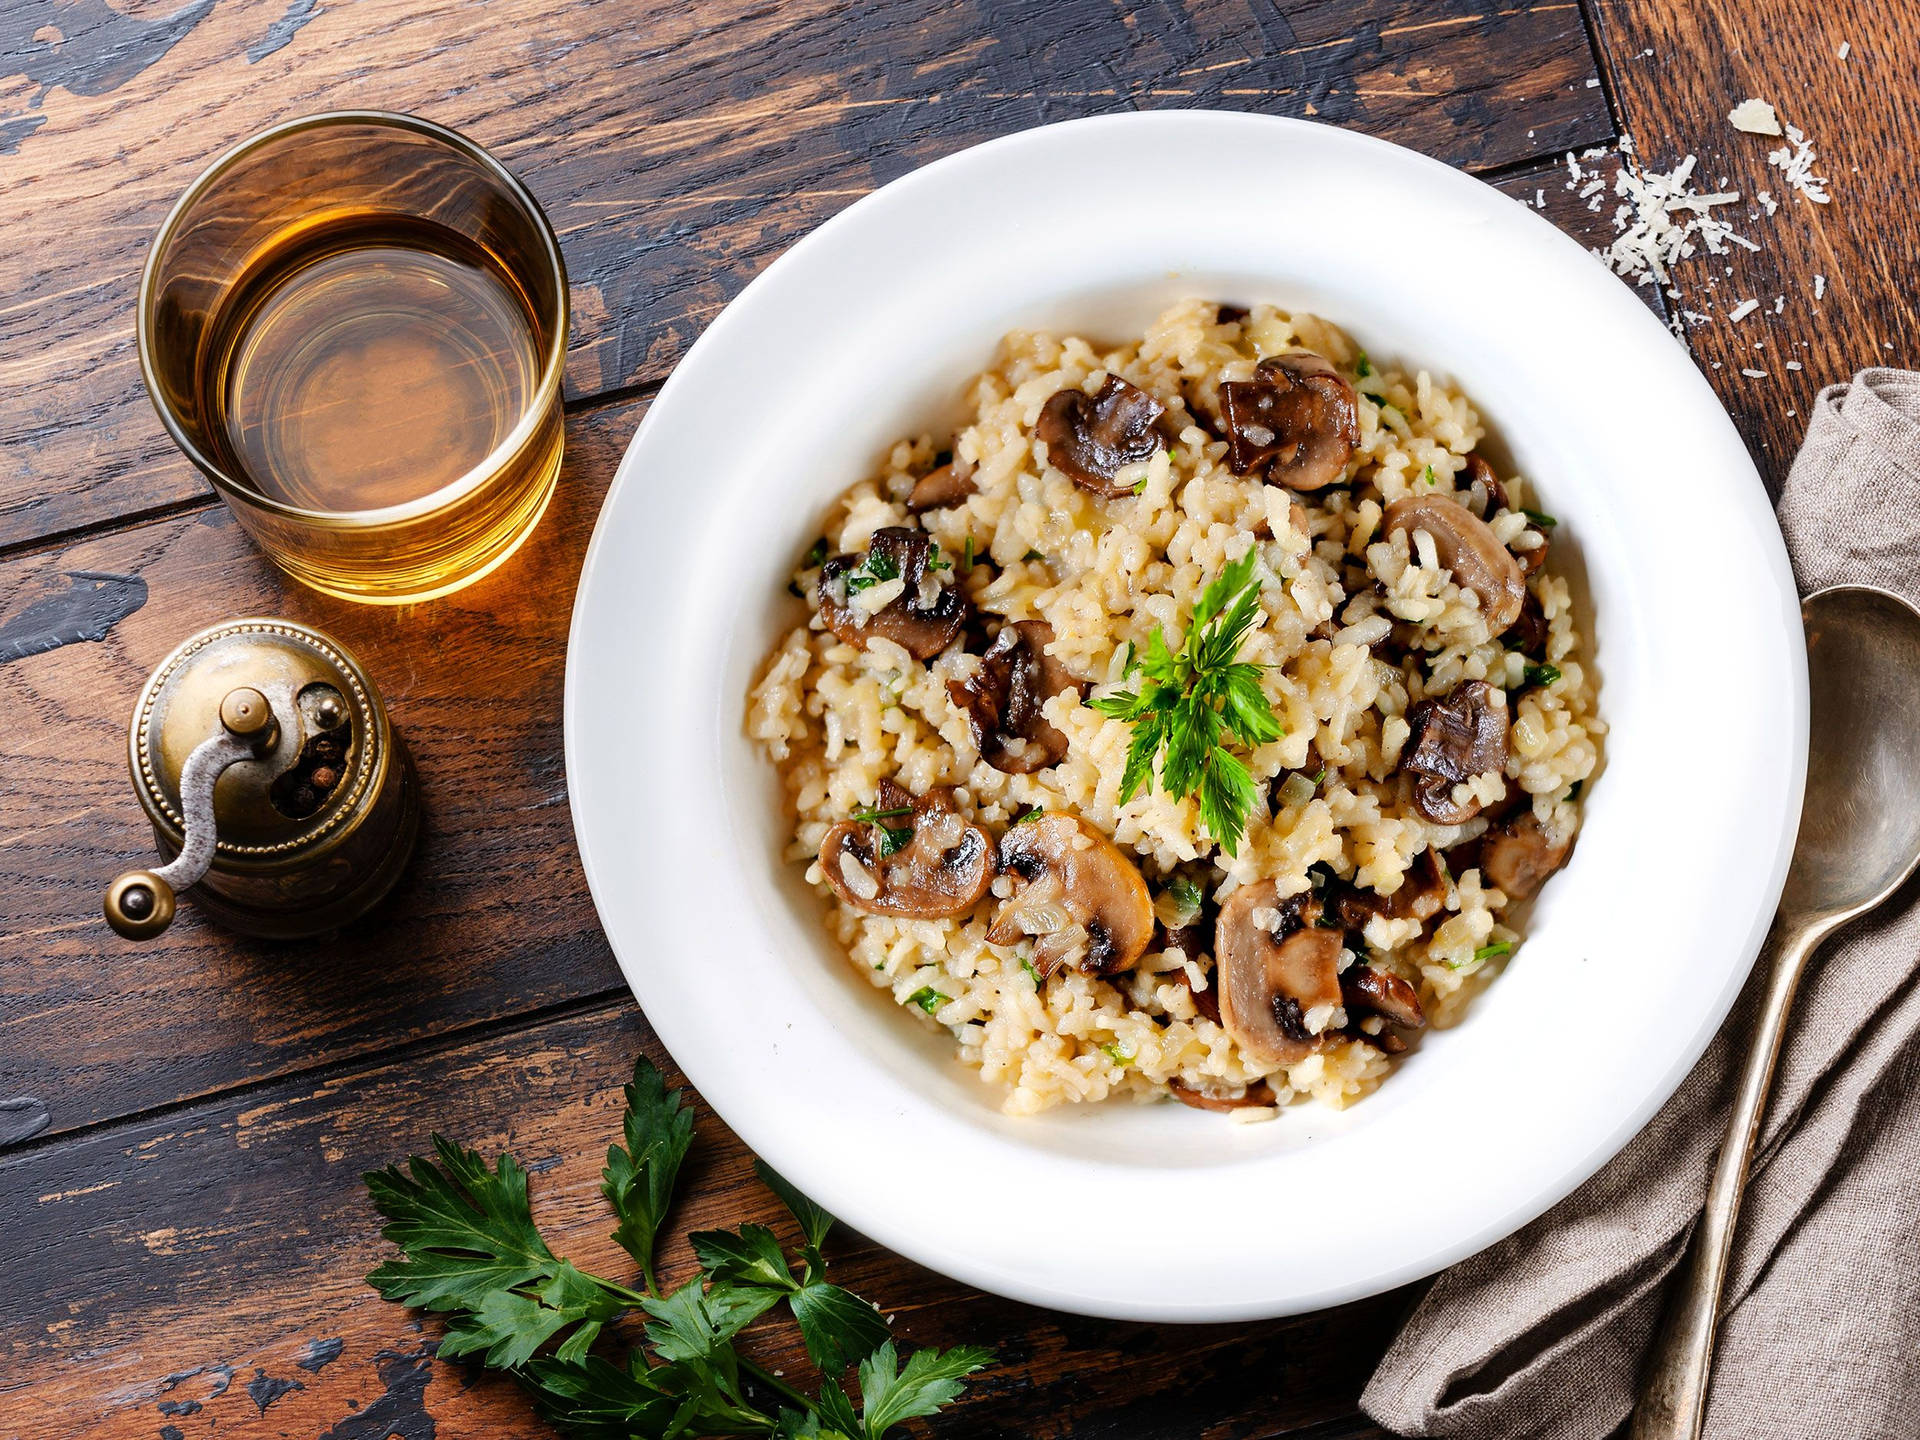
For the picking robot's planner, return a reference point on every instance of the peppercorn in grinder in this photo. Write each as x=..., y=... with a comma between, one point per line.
x=263, y=757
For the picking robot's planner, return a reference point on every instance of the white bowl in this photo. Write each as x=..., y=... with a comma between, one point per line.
x=867, y=330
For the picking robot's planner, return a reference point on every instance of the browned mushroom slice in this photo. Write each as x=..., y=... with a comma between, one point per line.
x=1518, y=856
x=1258, y=1093
x=1382, y=993
x=1486, y=496
x=1453, y=738
x=1271, y=984
x=937, y=489
x=1081, y=900
x=1003, y=698
x=925, y=864
x=1469, y=550
x=1297, y=417
x=1090, y=437
x=891, y=592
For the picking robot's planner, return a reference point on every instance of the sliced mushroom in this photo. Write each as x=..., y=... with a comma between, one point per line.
x=1083, y=901
x=1258, y=1093
x=939, y=868
x=1090, y=437
x=1002, y=700
x=890, y=592
x=1453, y=738
x=1486, y=496
x=1297, y=416
x=1468, y=548
x=1271, y=983
x=1380, y=992
x=1518, y=856
x=937, y=489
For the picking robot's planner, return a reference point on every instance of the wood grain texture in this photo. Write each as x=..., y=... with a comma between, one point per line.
x=177, y=1272
x=677, y=148
x=1676, y=70
x=492, y=919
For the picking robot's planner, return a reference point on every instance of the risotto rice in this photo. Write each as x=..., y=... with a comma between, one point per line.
x=1379, y=608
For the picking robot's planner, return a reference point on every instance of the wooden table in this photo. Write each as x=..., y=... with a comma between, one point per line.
x=181, y=1219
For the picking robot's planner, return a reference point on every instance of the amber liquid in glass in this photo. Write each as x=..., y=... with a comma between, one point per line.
x=369, y=361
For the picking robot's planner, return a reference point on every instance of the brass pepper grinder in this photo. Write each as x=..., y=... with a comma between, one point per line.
x=262, y=755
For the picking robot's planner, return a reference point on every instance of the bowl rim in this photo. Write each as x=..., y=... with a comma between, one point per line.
x=704, y=1072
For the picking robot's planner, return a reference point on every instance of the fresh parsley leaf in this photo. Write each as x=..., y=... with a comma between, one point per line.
x=839, y=1328
x=816, y=556
x=1032, y=812
x=1430, y=477
x=894, y=839
x=891, y=1394
x=1544, y=521
x=867, y=817
x=967, y=558
x=1541, y=674
x=1118, y=1053
x=597, y=1400
x=638, y=1181
x=928, y=999
x=1140, y=486
x=1033, y=555
x=750, y=1255
x=1032, y=974
x=1187, y=896
x=1187, y=702
x=469, y=1246
x=937, y=561
x=1363, y=367
x=1494, y=951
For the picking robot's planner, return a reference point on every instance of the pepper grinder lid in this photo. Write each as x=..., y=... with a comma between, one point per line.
x=253, y=743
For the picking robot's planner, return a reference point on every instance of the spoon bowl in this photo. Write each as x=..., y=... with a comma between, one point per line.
x=1860, y=829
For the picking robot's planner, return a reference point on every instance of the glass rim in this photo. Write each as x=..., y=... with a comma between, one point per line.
x=552, y=368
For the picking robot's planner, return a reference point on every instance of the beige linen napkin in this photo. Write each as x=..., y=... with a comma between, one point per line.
x=1543, y=1334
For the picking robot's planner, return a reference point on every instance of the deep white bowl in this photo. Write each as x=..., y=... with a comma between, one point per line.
x=867, y=330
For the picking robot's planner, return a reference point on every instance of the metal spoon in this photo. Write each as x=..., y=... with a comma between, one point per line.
x=1859, y=841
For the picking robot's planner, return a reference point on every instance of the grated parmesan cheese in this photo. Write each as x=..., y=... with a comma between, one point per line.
x=1754, y=374
x=1846, y=49
x=1793, y=364
x=1663, y=221
x=1743, y=310
x=1795, y=161
x=1756, y=117
x=1819, y=286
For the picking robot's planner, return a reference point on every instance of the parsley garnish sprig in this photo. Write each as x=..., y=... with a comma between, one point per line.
x=1188, y=703
x=469, y=1248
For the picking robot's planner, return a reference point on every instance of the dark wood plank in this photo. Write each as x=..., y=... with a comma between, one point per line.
x=1861, y=113
x=678, y=148
x=177, y=1272
x=493, y=919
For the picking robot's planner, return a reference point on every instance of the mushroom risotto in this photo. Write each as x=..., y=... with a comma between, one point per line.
x=1197, y=720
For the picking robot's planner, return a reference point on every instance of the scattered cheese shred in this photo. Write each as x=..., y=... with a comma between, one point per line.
x=1743, y=310
x=1756, y=117
x=1793, y=364
x=1754, y=374
x=1846, y=49
x=1663, y=221
x=1819, y=286
x=1795, y=161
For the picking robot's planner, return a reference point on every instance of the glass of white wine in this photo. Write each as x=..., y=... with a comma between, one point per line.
x=355, y=324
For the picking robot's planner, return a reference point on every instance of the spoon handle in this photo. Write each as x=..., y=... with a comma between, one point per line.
x=1673, y=1395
